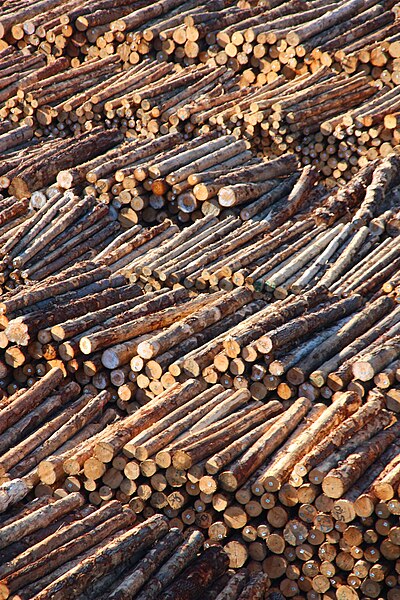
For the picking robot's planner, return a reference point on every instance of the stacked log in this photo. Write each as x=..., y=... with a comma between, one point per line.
x=238, y=471
x=157, y=178
x=62, y=549
x=43, y=95
x=45, y=420
x=24, y=172
x=283, y=40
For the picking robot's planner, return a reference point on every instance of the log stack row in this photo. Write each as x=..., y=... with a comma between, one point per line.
x=61, y=548
x=154, y=94
x=307, y=493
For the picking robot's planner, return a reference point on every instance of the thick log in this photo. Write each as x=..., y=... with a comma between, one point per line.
x=69, y=550
x=134, y=581
x=183, y=556
x=32, y=398
x=339, y=435
x=40, y=518
x=195, y=452
x=197, y=578
x=163, y=404
x=278, y=471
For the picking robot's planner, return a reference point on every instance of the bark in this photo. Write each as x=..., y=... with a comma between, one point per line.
x=346, y=258
x=183, y=556
x=256, y=587
x=69, y=550
x=68, y=424
x=285, y=335
x=216, y=462
x=104, y=559
x=167, y=429
x=372, y=363
x=141, y=573
x=375, y=311
x=234, y=586
x=60, y=537
x=339, y=480
x=51, y=290
x=353, y=329
x=32, y=398
x=195, y=452
x=385, y=176
x=13, y=453
x=339, y=435
x=131, y=329
x=329, y=19
x=194, y=323
x=42, y=174
x=162, y=168
x=279, y=470
x=39, y=519
x=197, y=578
x=36, y=416
x=241, y=469
x=203, y=428
x=156, y=409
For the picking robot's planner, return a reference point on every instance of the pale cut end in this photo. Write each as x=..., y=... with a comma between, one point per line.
x=226, y=196
x=86, y=346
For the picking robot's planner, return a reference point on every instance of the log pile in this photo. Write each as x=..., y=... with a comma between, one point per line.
x=59, y=548
x=168, y=177
x=177, y=401
x=307, y=494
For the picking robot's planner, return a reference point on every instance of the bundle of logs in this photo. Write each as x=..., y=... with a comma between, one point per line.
x=208, y=411
x=61, y=548
x=308, y=494
x=259, y=72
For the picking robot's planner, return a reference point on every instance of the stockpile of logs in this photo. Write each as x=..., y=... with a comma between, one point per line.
x=61, y=548
x=49, y=418
x=377, y=53
x=151, y=179
x=293, y=236
x=50, y=238
x=31, y=165
x=286, y=40
x=358, y=136
x=306, y=493
x=16, y=66
x=48, y=94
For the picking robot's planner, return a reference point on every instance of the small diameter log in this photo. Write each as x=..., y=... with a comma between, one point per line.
x=163, y=404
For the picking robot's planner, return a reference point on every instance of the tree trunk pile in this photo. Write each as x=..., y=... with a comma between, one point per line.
x=58, y=548
x=199, y=311
x=306, y=495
